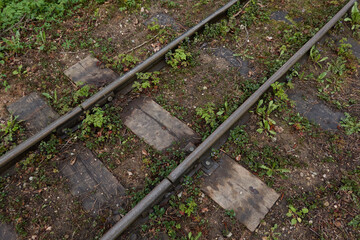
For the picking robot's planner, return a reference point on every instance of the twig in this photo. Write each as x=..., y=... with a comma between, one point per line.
x=236, y=14
x=72, y=52
x=134, y=48
x=314, y=232
x=11, y=27
x=247, y=37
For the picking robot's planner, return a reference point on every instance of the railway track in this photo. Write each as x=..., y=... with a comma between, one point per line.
x=96, y=187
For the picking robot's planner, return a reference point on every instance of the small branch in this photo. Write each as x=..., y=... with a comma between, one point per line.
x=134, y=48
x=236, y=14
x=73, y=52
x=13, y=26
x=247, y=37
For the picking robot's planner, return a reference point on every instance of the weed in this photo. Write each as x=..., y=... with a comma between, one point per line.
x=321, y=77
x=5, y=84
x=351, y=185
x=9, y=131
x=169, y=3
x=345, y=48
x=208, y=114
x=350, y=124
x=266, y=123
x=217, y=29
x=188, y=208
x=253, y=12
x=355, y=19
x=279, y=91
x=272, y=235
x=231, y=213
x=178, y=58
x=41, y=40
x=299, y=123
x=191, y=237
x=13, y=11
x=49, y=147
x=14, y=45
x=355, y=222
x=19, y=71
x=125, y=62
x=337, y=66
x=239, y=137
x=212, y=116
x=148, y=80
x=82, y=93
x=100, y=125
x=315, y=56
x=296, y=215
x=53, y=98
x=270, y=171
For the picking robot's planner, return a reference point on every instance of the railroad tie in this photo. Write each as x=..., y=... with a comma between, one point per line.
x=34, y=111
x=156, y=126
x=235, y=188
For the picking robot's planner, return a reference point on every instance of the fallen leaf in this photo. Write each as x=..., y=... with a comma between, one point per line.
x=72, y=162
x=204, y=210
x=144, y=152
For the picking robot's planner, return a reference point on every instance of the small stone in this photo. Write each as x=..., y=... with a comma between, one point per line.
x=301, y=174
x=117, y=218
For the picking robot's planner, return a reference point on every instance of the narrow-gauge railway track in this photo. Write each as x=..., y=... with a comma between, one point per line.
x=144, y=109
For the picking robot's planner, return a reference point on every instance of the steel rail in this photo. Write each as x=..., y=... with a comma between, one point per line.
x=11, y=157
x=189, y=161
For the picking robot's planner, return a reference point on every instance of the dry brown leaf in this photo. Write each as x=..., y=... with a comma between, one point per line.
x=72, y=162
x=144, y=152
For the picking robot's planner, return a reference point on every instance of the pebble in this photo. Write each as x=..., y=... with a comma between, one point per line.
x=301, y=174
